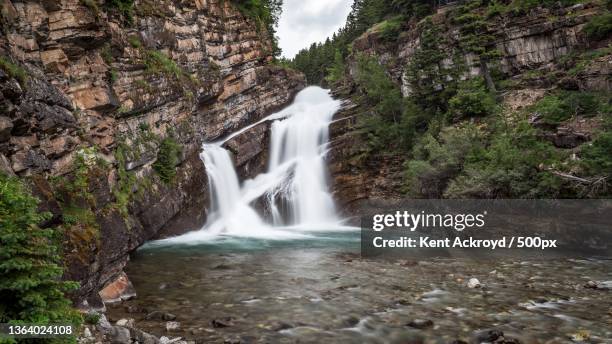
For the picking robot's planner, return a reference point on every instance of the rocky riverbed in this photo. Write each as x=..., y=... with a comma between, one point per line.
x=313, y=292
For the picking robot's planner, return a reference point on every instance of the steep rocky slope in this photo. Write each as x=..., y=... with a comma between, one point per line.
x=104, y=113
x=541, y=50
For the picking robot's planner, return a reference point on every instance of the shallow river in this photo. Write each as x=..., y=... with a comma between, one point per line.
x=321, y=291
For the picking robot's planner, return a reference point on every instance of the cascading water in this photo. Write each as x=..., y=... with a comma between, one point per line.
x=294, y=187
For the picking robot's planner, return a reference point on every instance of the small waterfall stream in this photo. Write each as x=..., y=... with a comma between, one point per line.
x=294, y=188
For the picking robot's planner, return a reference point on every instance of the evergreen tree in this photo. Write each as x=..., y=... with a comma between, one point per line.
x=31, y=289
x=476, y=39
x=336, y=72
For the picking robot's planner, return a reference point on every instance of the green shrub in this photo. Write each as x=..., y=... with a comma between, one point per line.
x=31, y=289
x=265, y=13
x=599, y=27
x=167, y=159
x=92, y=318
x=134, y=41
x=13, y=70
x=92, y=5
x=509, y=167
x=125, y=8
x=558, y=107
x=597, y=156
x=157, y=62
x=390, y=29
x=436, y=161
x=472, y=100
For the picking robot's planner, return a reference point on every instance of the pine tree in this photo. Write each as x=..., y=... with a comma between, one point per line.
x=31, y=289
x=335, y=73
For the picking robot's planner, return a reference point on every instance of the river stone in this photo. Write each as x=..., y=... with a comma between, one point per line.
x=120, y=335
x=223, y=322
x=173, y=326
x=420, y=323
x=474, y=283
x=488, y=336
x=125, y=322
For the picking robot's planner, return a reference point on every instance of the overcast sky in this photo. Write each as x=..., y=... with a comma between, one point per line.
x=306, y=21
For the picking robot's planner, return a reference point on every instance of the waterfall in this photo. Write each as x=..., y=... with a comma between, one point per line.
x=294, y=188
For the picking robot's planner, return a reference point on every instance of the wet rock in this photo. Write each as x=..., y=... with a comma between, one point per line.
x=125, y=322
x=607, y=285
x=104, y=325
x=119, y=335
x=350, y=321
x=132, y=309
x=159, y=315
x=121, y=289
x=166, y=340
x=173, y=326
x=280, y=325
x=223, y=322
x=488, y=336
x=143, y=337
x=232, y=341
x=420, y=323
x=474, y=283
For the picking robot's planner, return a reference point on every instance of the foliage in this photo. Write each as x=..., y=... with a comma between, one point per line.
x=157, y=62
x=134, y=41
x=266, y=14
x=475, y=37
x=596, y=157
x=472, y=100
x=390, y=29
x=432, y=83
x=167, y=159
x=557, y=107
x=13, y=70
x=92, y=5
x=31, y=290
x=335, y=73
x=508, y=167
x=599, y=27
x=436, y=161
x=125, y=8
x=389, y=16
x=92, y=318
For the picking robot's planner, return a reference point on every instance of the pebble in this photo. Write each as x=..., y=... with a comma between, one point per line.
x=86, y=333
x=125, y=322
x=488, y=336
x=420, y=323
x=173, y=326
x=223, y=322
x=159, y=315
x=474, y=283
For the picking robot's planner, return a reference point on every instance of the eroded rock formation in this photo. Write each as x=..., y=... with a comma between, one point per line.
x=93, y=97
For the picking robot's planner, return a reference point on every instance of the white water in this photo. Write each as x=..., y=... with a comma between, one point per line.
x=294, y=188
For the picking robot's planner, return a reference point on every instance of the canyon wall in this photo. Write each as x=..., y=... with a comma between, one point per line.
x=105, y=110
x=534, y=47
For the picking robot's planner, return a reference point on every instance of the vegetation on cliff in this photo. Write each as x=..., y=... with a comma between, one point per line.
x=266, y=14
x=31, y=289
x=453, y=129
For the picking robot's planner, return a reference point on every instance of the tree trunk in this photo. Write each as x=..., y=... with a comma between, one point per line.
x=484, y=69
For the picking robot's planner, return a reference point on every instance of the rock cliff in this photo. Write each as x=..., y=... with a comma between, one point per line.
x=104, y=112
x=534, y=48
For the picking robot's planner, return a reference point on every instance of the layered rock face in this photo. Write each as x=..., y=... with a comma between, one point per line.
x=107, y=94
x=532, y=48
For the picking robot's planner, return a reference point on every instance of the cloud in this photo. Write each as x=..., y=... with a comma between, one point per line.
x=304, y=22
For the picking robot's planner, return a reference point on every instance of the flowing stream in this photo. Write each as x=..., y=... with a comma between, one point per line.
x=294, y=189
x=230, y=283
